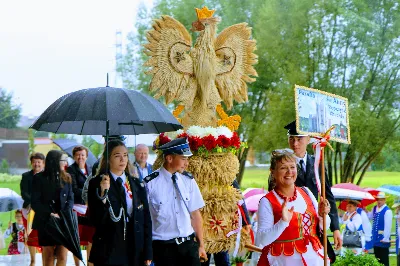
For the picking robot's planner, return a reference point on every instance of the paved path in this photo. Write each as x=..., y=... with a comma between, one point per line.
x=24, y=260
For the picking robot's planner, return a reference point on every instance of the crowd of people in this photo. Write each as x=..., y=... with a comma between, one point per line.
x=137, y=215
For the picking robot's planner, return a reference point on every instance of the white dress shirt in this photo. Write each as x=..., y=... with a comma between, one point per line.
x=304, y=160
x=268, y=232
x=388, y=222
x=129, y=202
x=169, y=216
x=367, y=227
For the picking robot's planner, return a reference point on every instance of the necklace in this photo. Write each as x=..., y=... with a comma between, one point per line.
x=293, y=198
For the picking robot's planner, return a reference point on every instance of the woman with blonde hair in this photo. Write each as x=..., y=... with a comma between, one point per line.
x=289, y=218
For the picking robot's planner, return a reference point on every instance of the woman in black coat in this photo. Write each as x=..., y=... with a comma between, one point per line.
x=123, y=225
x=51, y=193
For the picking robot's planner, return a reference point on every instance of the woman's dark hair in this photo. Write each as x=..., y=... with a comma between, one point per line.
x=52, y=167
x=104, y=160
x=353, y=202
x=80, y=148
x=18, y=212
x=37, y=155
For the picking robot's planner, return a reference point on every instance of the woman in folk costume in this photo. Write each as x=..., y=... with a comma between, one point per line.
x=288, y=218
x=353, y=222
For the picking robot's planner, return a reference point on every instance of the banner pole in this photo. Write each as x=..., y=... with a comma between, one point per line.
x=325, y=239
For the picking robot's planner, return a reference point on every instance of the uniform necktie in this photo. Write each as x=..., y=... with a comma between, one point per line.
x=121, y=186
x=173, y=177
x=302, y=166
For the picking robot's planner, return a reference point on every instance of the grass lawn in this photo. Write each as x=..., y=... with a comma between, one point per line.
x=258, y=177
x=253, y=177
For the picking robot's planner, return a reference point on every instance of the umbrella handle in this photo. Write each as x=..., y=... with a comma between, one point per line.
x=105, y=194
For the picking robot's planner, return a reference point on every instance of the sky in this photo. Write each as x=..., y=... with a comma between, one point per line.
x=50, y=48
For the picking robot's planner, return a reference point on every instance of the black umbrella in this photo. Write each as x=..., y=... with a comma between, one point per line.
x=64, y=230
x=86, y=112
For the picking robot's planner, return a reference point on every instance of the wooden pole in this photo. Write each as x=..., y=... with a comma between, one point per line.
x=253, y=248
x=325, y=239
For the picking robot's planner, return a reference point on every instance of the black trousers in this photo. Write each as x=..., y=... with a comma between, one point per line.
x=220, y=259
x=172, y=254
x=382, y=254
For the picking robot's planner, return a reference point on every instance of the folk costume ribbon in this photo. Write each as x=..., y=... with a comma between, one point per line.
x=318, y=146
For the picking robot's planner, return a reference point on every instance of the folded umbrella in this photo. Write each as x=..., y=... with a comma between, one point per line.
x=64, y=231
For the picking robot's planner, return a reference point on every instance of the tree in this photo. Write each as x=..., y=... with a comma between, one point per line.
x=346, y=47
x=95, y=148
x=9, y=112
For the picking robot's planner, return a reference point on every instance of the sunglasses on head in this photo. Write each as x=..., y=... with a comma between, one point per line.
x=281, y=152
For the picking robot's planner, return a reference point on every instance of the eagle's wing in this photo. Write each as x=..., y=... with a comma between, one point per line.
x=234, y=50
x=170, y=61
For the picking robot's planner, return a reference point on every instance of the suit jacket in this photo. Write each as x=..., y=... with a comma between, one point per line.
x=26, y=188
x=109, y=246
x=78, y=181
x=43, y=194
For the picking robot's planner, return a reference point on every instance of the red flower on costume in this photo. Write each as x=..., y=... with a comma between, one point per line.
x=209, y=142
x=223, y=141
x=163, y=139
x=235, y=140
x=195, y=143
x=182, y=135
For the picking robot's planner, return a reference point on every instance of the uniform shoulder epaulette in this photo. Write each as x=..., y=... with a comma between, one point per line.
x=150, y=177
x=188, y=174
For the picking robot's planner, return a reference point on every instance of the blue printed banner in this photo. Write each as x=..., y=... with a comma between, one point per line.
x=317, y=111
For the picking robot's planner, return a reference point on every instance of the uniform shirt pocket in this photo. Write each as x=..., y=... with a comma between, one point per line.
x=161, y=206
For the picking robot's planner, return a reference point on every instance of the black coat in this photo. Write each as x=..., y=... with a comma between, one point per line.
x=109, y=246
x=43, y=194
x=309, y=181
x=26, y=188
x=78, y=181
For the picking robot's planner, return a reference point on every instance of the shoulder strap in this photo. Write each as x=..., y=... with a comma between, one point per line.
x=187, y=174
x=150, y=177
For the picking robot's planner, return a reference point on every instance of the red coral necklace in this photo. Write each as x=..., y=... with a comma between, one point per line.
x=293, y=198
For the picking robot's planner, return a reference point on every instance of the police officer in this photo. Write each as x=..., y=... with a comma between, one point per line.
x=175, y=203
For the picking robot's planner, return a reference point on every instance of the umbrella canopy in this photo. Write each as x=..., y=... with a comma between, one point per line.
x=86, y=112
x=363, y=202
x=253, y=191
x=68, y=145
x=253, y=201
x=342, y=193
x=10, y=200
x=390, y=189
x=64, y=230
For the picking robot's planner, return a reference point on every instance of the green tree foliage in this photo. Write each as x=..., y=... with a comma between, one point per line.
x=91, y=144
x=9, y=112
x=346, y=47
x=4, y=167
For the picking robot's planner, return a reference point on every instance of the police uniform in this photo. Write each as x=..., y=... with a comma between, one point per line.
x=173, y=235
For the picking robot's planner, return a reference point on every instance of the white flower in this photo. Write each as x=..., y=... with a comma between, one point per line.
x=224, y=131
x=194, y=131
x=210, y=131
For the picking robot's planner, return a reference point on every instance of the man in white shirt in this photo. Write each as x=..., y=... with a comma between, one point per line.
x=382, y=224
x=175, y=202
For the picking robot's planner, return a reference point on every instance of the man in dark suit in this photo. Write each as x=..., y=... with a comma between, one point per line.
x=306, y=177
x=37, y=163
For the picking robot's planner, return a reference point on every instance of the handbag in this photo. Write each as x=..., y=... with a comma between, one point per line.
x=352, y=239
